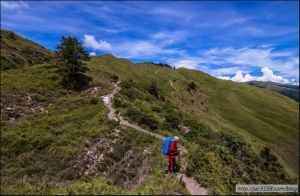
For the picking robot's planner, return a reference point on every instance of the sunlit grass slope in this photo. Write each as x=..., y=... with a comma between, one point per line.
x=47, y=131
x=260, y=116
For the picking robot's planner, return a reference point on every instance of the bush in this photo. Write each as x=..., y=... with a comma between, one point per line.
x=192, y=86
x=127, y=84
x=133, y=113
x=153, y=89
x=12, y=36
x=149, y=120
x=94, y=100
x=115, y=77
x=194, y=123
x=130, y=93
x=117, y=102
x=173, y=120
x=142, y=118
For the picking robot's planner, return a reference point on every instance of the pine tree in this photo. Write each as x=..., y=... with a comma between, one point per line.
x=69, y=56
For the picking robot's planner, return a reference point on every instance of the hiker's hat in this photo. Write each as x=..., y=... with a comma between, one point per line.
x=176, y=138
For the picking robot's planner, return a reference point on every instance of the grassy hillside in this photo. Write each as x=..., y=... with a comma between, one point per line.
x=47, y=132
x=17, y=51
x=260, y=116
x=290, y=91
x=52, y=137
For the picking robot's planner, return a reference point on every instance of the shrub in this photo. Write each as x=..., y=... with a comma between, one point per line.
x=117, y=102
x=94, y=100
x=173, y=120
x=12, y=36
x=130, y=93
x=127, y=83
x=115, y=77
x=192, y=86
x=133, y=113
x=194, y=123
x=153, y=89
x=149, y=120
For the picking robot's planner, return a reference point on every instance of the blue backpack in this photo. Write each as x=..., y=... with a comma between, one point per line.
x=166, y=145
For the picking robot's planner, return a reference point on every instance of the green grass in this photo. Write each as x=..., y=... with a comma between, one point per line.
x=20, y=52
x=290, y=91
x=38, y=150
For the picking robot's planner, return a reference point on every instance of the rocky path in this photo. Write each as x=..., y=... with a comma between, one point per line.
x=193, y=187
x=172, y=85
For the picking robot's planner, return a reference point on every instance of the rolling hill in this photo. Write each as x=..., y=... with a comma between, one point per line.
x=51, y=137
x=17, y=51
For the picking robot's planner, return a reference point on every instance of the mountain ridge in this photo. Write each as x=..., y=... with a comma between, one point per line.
x=291, y=91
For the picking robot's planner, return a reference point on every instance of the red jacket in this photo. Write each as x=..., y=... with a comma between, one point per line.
x=172, y=149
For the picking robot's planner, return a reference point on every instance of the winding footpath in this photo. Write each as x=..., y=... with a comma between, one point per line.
x=192, y=186
x=172, y=85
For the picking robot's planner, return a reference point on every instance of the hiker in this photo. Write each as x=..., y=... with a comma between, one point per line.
x=173, y=152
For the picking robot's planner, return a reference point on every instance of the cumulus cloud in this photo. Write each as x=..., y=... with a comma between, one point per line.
x=13, y=5
x=268, y=75
x=221, y=62
x=89, y=41
x=92, y=53
x=264, y=56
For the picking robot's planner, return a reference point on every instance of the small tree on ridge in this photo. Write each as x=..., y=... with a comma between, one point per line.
x=69, y=56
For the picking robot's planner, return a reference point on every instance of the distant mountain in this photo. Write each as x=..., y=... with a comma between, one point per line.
x=291, y=91
x=17, y=51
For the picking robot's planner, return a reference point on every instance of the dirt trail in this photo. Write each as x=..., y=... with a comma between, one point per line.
x=172, y=85
x=193, y=187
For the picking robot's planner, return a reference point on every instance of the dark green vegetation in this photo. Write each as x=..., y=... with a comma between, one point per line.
x=290, y=91
x=50, y=133
x=69, y=56
x=70, y=59
x=226, y=160
x=17, y=52
x=162, y=65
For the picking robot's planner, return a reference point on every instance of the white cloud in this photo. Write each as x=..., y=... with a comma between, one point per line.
x=190, y=64
x=295, y=81
x=226, y=71
x=169, y=37
x=92, y=53
x=89, y=41
x=142, y=49
x=246, y=59
x=268, y=75
x=241, y=63
x=13, y=5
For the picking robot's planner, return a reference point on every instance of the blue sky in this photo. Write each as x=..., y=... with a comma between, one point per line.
x=234, y=40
